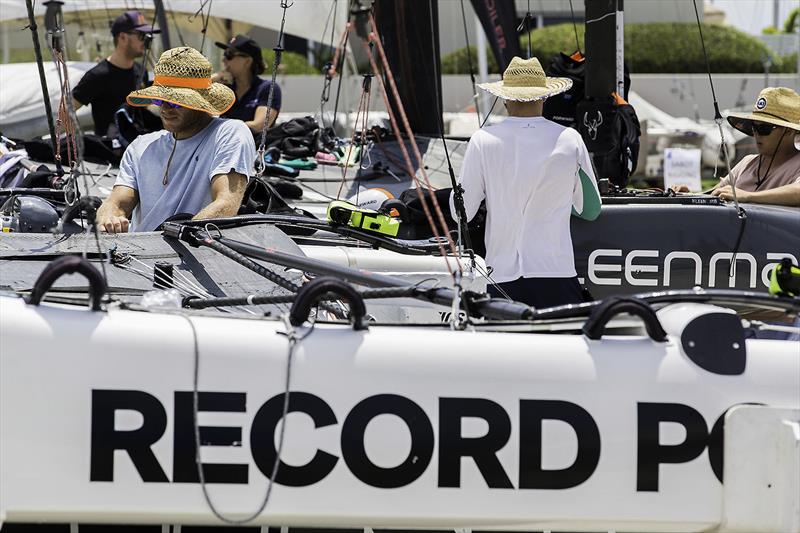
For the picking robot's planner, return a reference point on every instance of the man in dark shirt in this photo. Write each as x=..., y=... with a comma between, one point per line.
x=109, y=82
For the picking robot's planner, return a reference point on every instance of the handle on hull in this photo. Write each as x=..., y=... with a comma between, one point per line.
x=69, y=264
x=313, y=290
x=595, y=325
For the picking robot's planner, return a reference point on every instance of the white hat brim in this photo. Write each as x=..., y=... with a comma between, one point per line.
x=552, y=87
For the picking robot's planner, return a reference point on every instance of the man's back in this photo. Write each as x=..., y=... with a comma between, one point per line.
x=105, y=87
x=528, y=170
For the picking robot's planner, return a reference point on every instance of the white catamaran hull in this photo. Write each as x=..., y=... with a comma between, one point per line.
x=392, y=426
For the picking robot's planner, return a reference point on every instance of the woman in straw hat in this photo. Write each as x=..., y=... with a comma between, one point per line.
x=198, y=164
x=773, y=175
x=532, y=173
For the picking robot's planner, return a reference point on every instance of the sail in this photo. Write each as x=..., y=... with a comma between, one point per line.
x=499, y=21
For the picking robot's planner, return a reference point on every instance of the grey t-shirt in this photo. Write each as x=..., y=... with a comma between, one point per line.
x=223, y=146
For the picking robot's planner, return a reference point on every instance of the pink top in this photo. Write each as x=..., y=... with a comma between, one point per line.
x=746, y=173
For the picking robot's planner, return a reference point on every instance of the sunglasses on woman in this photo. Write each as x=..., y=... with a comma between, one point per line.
x=230, y=55
x=170, y=105
x=762, y=128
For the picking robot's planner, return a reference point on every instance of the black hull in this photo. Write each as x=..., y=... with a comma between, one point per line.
x=634, y=248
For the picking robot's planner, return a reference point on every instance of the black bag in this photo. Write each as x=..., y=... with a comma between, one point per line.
x=611, y=132
x=298, y=137
x=419, y=222
x=562, y=108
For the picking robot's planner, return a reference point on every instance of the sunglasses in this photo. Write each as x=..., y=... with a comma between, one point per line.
x=139, y=34
x=170, y=105
x=762, y=128
x=230, y=55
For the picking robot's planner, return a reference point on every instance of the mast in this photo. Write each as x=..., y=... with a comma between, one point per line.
x=37, y=49
x=601, y=47
x=411, y=48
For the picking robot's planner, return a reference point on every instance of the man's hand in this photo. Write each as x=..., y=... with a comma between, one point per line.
x=113, y=224
x=114, y=215
x=726, y=193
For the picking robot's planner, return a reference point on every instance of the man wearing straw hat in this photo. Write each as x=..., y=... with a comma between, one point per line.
x=773, y=175
x=533, y=173
x=198, y=164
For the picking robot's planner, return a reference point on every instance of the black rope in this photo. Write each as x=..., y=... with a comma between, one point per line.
x=575, y=27
x=147, y=45
x=717, y=114
x=206, y=240
x=367, y=294
x=278, y=49
x=175, y=23
x=326, y=79
x=496, y=98
x=525, y=25
x=37, y=49
x=339, y=69
x=206, y=17
x=469, y=63
x=458, y=191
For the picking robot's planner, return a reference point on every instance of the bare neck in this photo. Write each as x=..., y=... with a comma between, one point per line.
x=194, y=128
x=524, y=109
x=120, y=60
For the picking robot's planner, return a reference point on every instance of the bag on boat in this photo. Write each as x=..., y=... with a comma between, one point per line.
x=610, y=129
x=298, y=137
x=563, y=108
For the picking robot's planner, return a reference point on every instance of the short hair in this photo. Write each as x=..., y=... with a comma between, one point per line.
x=115, y=37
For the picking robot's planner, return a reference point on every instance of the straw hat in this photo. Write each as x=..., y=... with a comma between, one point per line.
x=775, y=105
x=525, y=81
x=183, y=77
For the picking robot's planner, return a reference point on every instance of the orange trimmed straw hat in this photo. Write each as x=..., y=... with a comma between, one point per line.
x=183, y=77
x=525, y=81
x=775, y=105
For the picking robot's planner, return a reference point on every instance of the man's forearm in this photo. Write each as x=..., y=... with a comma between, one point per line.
x=218, y=209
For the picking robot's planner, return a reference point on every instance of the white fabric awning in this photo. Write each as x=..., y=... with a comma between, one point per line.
x=305, y=18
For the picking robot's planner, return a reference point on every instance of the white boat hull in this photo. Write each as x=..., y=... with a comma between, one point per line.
x=75, y=385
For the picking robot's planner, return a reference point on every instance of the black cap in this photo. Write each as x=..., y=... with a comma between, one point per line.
x=131, y=21
x=245, y=45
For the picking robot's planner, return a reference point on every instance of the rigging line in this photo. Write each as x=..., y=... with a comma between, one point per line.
x=458, y=192
x=575, y=26
x=718, y=120
x=407, y=159
x=147, y=49
x=475, y=98
x=374, y=37
x=489, y=114
x=343, y=48
x=278, y=49
x=292, y=339
x=526, y=25
x=206, y=17
x=185, y=280
x=175, y=22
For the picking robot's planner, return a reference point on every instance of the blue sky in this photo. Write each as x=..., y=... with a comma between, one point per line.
x=754, y=15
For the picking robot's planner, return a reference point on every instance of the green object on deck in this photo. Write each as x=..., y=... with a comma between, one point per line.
x=346, y=214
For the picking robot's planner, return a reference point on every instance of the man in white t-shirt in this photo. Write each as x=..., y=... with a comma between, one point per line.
x=534, y=174
x=198, y=165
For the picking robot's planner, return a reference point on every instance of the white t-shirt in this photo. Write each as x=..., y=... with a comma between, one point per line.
x=221, y=147
x=527, y=169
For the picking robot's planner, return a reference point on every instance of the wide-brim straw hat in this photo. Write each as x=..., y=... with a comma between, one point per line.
x=183, y=77
x=774, y=105
x=525, y=81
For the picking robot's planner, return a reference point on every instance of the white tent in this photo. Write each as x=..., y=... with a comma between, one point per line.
x=305, y=18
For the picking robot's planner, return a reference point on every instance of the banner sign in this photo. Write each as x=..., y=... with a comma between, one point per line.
x=499, y=21
x=682, y=167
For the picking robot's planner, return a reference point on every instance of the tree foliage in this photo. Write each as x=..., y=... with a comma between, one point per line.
x=661, y=47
